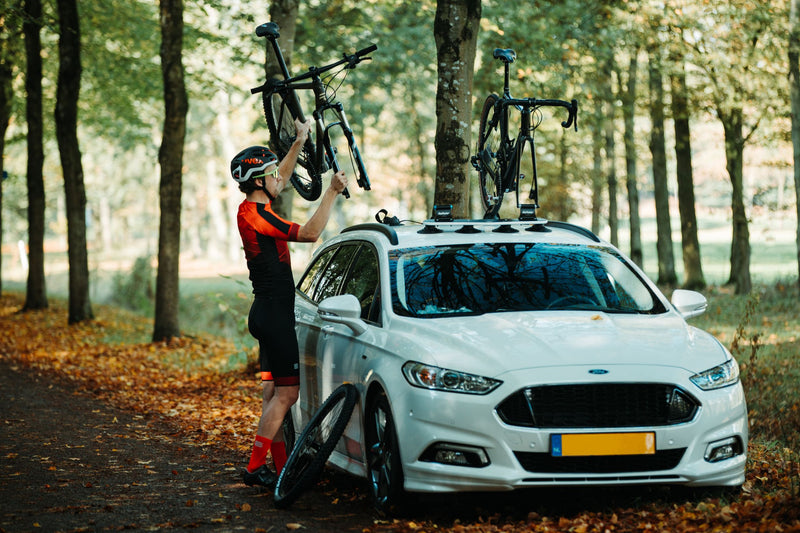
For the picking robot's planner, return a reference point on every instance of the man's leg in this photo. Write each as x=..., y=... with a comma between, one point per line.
x=276, y=402
x=262, y=443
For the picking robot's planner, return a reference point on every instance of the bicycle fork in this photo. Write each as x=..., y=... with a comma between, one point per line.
x=526, y=137
x=330, y=150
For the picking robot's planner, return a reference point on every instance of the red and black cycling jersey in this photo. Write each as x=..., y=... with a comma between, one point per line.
x=265, y=238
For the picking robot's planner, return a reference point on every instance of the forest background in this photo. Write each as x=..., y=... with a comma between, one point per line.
x=687, y=148
x=652, y=79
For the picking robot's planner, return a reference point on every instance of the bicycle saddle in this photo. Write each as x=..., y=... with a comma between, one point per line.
x=270, y=29
x=508, y=55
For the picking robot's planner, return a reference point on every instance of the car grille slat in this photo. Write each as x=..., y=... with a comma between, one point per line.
x=606, y=405
x=606, y=464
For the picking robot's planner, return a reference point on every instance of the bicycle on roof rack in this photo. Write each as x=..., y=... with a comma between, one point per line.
x=503, y=163
x=281, y=107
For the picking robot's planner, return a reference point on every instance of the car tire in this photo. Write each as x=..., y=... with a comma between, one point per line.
x=384, y=468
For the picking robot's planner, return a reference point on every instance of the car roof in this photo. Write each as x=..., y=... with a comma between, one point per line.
x=442, y=232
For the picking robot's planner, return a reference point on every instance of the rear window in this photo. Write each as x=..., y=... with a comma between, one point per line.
x=473, y=279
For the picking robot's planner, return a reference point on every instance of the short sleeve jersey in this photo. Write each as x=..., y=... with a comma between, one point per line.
x=265, y=238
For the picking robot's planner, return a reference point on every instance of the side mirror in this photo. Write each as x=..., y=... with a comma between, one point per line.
x=343, y=309
x=689, y=303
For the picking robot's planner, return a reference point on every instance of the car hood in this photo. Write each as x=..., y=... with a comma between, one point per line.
x=500, y=342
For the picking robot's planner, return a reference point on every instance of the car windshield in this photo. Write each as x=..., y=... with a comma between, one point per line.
x=436, y=281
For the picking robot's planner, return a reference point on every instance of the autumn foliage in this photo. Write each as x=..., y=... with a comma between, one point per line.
x=186, y=384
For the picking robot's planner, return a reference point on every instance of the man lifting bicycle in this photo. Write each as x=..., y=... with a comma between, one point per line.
x=265, y=237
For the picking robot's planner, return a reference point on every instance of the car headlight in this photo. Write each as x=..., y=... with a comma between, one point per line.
x=720, y=376
x=435, y=378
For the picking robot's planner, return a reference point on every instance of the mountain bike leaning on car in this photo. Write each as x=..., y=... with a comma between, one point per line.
x=502, y=162
x=281, y=107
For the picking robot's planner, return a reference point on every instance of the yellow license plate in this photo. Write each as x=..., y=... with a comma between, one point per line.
x=583, y=444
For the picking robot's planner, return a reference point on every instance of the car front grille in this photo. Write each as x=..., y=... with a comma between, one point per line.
x=604, y=464
x=606, y=405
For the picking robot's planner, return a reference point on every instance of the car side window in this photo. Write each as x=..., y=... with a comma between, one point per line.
x=331, y=277
x=313, y=274
x=362, y=282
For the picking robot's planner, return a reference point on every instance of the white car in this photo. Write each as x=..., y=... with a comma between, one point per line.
x=499, y=355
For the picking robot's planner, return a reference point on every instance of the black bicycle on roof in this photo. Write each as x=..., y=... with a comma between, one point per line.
x=503, y=163
x=281, y=107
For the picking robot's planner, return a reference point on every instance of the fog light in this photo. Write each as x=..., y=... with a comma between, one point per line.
x=723, y=449
x=455, y=454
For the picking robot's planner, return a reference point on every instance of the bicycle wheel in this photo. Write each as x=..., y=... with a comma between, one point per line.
x=492, y=167
x=525, y=171
x=306, y=178
x=288, y=432
x=315, y=445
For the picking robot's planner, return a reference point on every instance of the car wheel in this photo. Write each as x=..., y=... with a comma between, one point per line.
x=385, y=473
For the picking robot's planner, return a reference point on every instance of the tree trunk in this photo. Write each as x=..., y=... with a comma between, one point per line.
x=69, y=81
x=666, y=257
x=283, y=13
x=455, y=30
x=597, y=167
x=693, y=270
x=8, y=37
x=611, y=160
x=631, y=176
x=740, y=243
x=170, y=158
x=36, y=292
x=794, y=80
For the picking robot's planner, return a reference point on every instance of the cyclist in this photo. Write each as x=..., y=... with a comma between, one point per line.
x=271, y=321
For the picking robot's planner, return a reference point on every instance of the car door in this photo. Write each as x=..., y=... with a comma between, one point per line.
x=342, y=355
x=322, y=279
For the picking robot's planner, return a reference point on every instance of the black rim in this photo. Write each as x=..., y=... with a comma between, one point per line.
x=315, y=445
x=305, y=180
x=488, y=145
x=383, y=458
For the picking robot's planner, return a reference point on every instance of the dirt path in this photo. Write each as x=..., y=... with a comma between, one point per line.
x=71, y=463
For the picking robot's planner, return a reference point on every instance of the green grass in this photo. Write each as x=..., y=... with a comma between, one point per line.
x=762, y=330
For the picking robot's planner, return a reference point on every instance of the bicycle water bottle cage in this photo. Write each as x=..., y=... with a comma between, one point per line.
x=507, y=55
x=269, y=29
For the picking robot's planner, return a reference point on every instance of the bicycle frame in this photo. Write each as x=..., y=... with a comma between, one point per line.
x=321, y=151
x=509, y=153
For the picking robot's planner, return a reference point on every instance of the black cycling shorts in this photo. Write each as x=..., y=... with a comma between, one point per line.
x=271, y=322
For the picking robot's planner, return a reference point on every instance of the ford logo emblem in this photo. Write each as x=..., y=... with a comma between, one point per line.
x=598, y=371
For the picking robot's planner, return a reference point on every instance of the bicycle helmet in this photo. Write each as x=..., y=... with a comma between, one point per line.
x=251, y=163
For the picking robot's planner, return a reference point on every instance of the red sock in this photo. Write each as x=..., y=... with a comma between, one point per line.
x=259, y=455
x=278, y=450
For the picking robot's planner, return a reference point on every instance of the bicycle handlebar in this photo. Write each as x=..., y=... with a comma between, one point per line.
x=268, y=29
x=352, y=60
x=572, y=107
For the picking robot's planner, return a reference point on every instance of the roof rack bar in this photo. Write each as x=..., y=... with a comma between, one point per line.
x=574, y=228
x=388, y=231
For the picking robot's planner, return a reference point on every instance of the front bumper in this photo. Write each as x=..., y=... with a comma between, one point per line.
x=426, y=419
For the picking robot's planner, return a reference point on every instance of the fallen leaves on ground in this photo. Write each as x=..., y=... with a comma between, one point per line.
x=209, y=407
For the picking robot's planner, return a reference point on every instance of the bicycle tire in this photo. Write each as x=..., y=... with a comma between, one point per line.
x=492, y=167
x=315, y=445
x=306, y=178
x=289, y=435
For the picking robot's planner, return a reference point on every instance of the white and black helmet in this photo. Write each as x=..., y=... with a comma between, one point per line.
x=251, y=162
